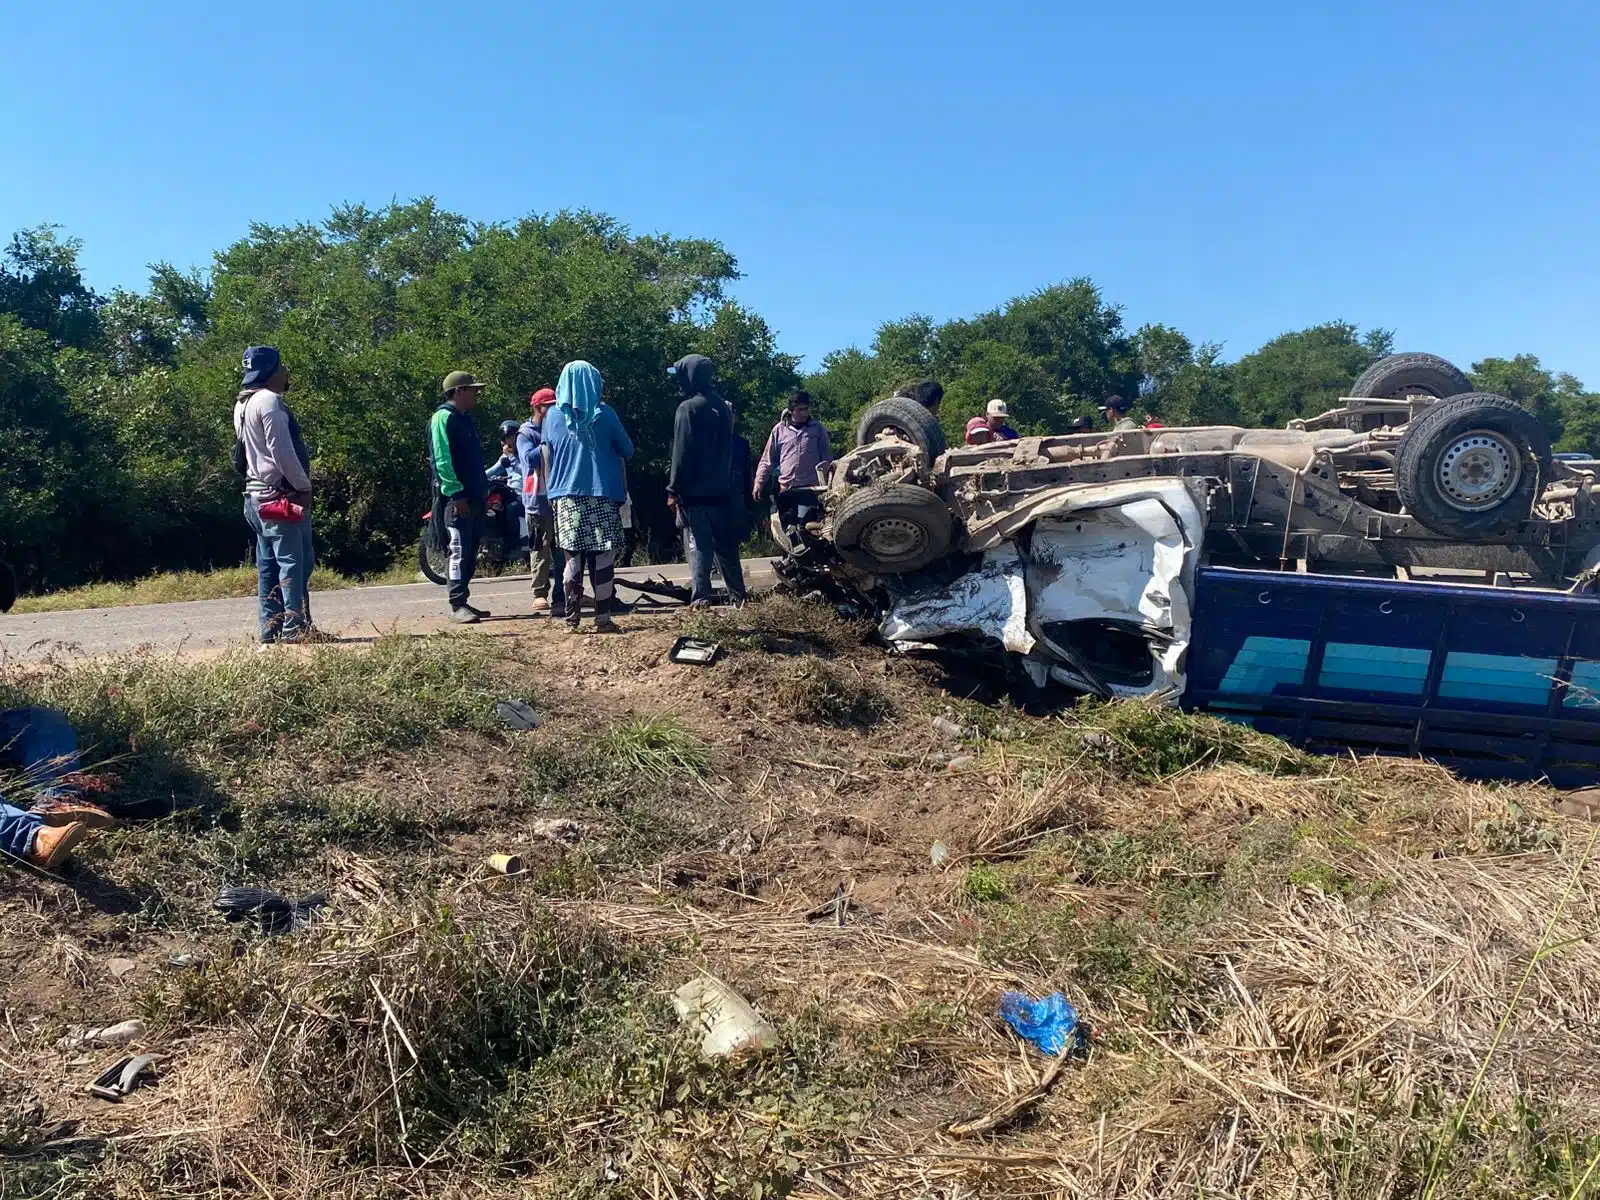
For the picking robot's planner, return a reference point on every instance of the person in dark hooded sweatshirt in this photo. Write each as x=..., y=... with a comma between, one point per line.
x=698, y=481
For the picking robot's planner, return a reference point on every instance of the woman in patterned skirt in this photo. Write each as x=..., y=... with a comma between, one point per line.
x=584, y=449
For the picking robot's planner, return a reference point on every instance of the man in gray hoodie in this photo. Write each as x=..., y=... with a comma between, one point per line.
x=699, y=480
x=277, y=497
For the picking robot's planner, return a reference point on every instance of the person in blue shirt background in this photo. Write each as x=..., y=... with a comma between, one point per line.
x=508, y=466
x=545, y=557
x=508, y=470
x=585, y=448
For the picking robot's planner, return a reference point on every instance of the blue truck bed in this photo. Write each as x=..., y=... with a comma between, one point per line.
x=1492, y=682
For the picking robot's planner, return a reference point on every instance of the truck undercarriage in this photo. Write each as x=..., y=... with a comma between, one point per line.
x=1074, y=557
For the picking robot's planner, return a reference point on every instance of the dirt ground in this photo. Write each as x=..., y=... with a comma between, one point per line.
x=1296, y=977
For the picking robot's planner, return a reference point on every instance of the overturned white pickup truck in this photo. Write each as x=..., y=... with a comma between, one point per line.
x=1213, y=565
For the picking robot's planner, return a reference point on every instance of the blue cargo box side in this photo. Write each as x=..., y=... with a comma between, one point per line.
x=1494, y=683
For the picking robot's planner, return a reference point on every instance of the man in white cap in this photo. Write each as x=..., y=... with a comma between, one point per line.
x=991, y=427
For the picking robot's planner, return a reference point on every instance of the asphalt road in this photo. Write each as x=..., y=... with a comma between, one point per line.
x=355, y=613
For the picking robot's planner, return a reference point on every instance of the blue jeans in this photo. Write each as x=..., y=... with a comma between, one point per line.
x=41, y=743
x=710, y=534
x=17, y=830
x=284, y=558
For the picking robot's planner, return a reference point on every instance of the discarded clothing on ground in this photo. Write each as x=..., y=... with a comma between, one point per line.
x=272, y=912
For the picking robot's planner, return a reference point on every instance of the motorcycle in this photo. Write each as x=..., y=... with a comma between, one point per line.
x=502, y=545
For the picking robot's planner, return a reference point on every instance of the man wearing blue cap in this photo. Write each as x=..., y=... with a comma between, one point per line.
x=276, y=467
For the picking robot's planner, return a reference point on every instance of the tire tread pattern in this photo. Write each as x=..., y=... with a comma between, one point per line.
x=1443, y=422
x=1388, y=377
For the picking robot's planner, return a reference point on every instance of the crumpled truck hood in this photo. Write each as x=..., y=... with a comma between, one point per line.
x=1123, y=552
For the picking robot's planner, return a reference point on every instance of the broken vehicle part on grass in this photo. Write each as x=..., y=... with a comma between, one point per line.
x=123, y=1077
x=1080, y=561
x=694, y=651
x=517, y=714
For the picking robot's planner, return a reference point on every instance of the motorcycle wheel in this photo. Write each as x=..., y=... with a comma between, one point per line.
x=433, y=556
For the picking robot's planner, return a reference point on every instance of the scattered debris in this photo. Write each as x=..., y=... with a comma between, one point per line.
x=939, y=854
x=186, y=960
x=694, y=651
x=119, y=1034
x=122, y=1078
x=120, y=967
x=959, y=761
x=505, y=864
x=728, y=1023
x=516, y=714
x=950, y=729
x=1049, y=1025
x=557, y=829
x=836, y=906
x=273, y=913
x=1015, y=1106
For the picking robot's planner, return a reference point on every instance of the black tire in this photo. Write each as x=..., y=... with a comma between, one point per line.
x=1402, y=375
x=893, y=529
x=917, y=423
x=1472, y=465
x=433, y=556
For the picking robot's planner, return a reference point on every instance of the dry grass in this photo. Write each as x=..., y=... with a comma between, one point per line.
x=820, y=693
x=1302, y=977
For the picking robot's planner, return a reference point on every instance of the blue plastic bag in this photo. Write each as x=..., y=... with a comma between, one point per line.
x=1047, y=1025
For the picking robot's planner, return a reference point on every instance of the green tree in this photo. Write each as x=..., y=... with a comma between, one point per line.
x=1303, y=373
x=42, y=287
x=57, y=491
x=1557, y=399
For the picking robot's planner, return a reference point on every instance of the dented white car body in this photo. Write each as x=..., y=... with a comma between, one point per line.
x=1064, y=572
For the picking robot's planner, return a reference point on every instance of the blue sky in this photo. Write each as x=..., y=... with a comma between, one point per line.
x=1235, y=170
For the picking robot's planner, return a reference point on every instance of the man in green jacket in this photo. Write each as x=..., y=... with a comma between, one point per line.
x=460, y=488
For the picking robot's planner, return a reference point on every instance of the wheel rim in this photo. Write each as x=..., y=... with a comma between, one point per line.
x=1479, y=470
x=893, y=539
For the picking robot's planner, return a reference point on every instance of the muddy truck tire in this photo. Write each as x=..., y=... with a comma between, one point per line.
x=919, y=426
x=1402, y=375
x=893, y=529
x=1472, y=465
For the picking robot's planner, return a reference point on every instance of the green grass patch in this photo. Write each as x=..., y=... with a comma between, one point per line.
x=345, y=704
x=1152, y=742
x=984, y=883
x=657, y=748
x=639, y=780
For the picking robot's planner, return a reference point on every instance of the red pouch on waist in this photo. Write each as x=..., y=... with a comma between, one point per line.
x=282, y=509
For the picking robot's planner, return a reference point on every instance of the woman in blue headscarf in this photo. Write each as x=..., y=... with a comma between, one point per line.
x=584, y=449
